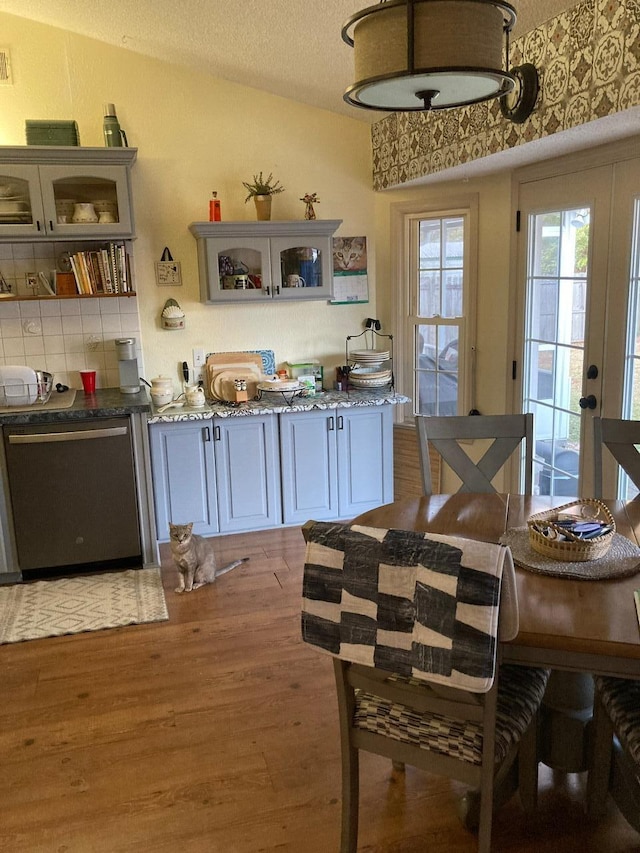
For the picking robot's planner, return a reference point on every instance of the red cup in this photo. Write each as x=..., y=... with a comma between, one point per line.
x=88, y=381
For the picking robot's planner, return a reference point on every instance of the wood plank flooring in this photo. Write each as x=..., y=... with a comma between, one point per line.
x=216, y=732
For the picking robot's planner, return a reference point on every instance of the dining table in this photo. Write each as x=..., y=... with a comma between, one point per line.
x=575, y=627
x=567, y=624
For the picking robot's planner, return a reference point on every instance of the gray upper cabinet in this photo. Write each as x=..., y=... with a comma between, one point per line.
x=254, y=261
x=42, y=186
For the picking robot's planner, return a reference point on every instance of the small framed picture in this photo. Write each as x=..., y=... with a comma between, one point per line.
x=168, y=273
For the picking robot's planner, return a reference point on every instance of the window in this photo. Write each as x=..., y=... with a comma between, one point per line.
x=435, y=304
x=439, y=314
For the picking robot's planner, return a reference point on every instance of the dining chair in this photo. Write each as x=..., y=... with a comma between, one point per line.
x=621, y=438
x=446, y=433
x=615, y=758
x=413, y=622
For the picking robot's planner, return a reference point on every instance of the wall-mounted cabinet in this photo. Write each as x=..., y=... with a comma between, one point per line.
x=254, y=261
x=43, y=189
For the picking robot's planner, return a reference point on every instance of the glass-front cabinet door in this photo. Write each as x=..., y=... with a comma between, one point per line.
x=21, y=211
x=86, y=201
x=301, y=268
x=238, y=269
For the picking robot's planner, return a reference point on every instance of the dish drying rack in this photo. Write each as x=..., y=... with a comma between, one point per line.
x=370, y=334
x=20, y=395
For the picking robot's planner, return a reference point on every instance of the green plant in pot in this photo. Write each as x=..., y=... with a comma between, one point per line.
x=261, y=190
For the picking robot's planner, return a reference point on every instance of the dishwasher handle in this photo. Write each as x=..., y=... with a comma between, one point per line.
x=75, y=435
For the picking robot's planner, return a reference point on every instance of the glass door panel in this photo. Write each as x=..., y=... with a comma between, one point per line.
x=563, y=252
x=554, y=344
x=579, y=262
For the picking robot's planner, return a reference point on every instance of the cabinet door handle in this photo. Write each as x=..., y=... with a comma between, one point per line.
x=340, y=422
x=51, y=225
x=267, y=291
x=206, y=433
x=38, y=224
x=331, y=424
x=216, y=433
x=277, y=290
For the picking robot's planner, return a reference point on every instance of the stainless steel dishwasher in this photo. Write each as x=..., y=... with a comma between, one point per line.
x=73, y=495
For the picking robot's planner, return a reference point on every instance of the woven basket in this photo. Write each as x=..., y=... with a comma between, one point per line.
x=571, y=549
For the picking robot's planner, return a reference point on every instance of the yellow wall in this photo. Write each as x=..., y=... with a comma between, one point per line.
x=495, y=233
x=195, y=134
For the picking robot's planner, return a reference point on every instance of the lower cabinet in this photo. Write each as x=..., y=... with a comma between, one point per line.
x=336, y=463
x=183, y=468
x=222, y=475
x=228, y=475
x=247, y=472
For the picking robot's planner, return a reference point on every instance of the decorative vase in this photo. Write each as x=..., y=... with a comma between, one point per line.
x=263, y=207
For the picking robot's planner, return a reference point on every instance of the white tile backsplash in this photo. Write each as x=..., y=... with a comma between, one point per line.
x=62, y=335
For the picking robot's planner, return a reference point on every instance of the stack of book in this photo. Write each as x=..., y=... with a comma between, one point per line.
x=103, y=270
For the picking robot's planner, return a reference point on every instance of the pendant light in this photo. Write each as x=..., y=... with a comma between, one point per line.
x=415, y=55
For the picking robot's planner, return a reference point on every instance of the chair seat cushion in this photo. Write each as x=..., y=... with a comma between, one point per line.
x=621, y=699
x=520, y=691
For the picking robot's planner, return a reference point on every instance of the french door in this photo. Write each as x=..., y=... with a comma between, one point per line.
x=578, y=316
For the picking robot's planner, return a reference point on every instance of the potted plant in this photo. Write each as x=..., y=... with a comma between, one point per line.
x=261, y=191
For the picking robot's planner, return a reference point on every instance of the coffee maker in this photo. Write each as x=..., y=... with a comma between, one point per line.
x=128, y=365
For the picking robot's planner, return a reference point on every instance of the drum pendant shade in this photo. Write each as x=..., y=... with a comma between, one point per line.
x=429, y=54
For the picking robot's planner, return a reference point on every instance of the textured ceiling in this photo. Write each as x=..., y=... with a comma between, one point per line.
x=291, y=48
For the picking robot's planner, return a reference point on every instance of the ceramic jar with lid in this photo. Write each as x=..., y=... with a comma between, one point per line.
x=161, y=390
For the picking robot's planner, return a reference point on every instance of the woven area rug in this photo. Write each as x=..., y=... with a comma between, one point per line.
x=29, y=611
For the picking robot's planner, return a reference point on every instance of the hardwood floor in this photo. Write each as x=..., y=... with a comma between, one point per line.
x=216, y=732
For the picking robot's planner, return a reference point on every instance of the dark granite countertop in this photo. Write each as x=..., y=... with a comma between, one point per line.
x=106, y=402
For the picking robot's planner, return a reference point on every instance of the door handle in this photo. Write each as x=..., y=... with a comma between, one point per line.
x=216, y=433
x=331, y=424
x=76, y=435
x=207, y=434
x=589, y=402
x=340, y=422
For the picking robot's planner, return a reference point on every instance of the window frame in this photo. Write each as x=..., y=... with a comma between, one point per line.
x=405, y=219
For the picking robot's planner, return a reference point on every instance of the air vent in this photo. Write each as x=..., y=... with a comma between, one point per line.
x=5, y=66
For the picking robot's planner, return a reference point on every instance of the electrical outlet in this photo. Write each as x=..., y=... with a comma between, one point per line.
x=199, y=360
x=31, y=281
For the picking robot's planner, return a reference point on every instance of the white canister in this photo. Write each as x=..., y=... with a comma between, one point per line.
x=161, y=390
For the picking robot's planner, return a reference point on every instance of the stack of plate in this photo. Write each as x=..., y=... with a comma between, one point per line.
x=367, y=373
x=49, y=132
x=14, y=209
x=370, y=356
